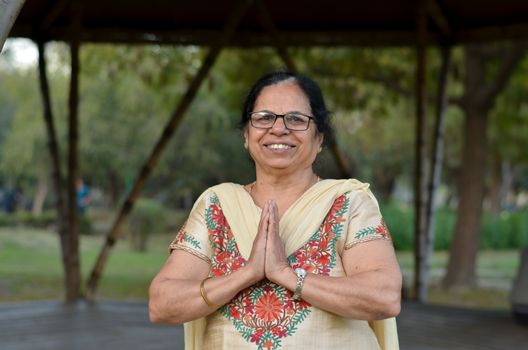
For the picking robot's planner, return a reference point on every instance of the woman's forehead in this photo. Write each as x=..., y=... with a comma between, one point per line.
x=286, y=96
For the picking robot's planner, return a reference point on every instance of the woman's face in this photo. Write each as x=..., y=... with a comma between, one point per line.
x=279, y=148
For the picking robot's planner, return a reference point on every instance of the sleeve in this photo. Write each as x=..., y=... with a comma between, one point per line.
x=193, y=237
x=366, y=222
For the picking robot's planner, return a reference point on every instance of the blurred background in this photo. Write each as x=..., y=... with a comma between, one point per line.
x=127, y=94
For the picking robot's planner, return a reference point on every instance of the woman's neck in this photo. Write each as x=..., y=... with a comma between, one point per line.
x=284, y=189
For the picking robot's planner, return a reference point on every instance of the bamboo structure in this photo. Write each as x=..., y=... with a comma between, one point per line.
x=53, y=148
x=160, y=146
x=73, y=274
x=365, y=27
x=420, y=157
x=9, y=10
x=425, y=189
x=436, y=168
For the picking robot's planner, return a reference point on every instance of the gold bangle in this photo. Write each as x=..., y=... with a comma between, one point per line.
x=204, y=295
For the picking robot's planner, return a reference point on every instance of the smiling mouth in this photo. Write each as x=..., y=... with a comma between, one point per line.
x=277, y=146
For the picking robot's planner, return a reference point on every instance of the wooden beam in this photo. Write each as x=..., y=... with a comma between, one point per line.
x=168, y=132
x=9, y=10
x=420, y=288
x=437, y=14
x=53, y=149
x=73, y=274
x=275, y=36
x=516, y=32
x=52, y=14
x=243, y=39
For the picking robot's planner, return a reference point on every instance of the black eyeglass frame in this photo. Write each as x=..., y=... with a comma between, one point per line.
x=310, y=118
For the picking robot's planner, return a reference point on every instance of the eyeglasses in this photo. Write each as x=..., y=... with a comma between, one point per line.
x=292, y=121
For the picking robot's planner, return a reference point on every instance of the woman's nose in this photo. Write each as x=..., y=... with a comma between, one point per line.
x=279, y=126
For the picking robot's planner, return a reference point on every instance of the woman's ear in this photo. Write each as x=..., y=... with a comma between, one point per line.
x=246, y=138
x=320, y=136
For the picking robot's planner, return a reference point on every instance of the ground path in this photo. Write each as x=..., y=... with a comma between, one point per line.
x=124, y=325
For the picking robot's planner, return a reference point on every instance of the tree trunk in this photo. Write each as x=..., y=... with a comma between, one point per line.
x=480, y=93
x=40, y=196
x=501, y=185
x=464, y=246
x=385, y=182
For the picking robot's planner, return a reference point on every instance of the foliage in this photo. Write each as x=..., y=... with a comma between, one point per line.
x=27, y=219
x=128, y=94
x=508, y=231
x=129, y=273
x=509, y=119
x=147, y=217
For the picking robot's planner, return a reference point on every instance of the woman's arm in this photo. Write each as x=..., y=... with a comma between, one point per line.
x=174, y=294
x=370, y=290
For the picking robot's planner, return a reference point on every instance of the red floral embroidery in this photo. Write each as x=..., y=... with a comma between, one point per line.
x=265, y=313
x=268, y=307
x=318, y=255
x=383, y=230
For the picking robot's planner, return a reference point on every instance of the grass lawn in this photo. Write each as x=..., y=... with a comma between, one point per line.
x=30, y=269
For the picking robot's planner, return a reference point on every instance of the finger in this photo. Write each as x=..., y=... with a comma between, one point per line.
x=276, y=216
x=264, y=221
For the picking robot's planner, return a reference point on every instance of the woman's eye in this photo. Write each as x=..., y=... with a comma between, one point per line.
x=292, y=118
x=266, y=117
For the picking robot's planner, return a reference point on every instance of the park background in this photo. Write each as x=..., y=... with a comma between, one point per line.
x=126, y=95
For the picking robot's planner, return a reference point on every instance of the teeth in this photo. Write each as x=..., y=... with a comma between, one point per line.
x=279, y=146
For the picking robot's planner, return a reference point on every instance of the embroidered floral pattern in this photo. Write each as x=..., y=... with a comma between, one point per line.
x=225, y=255
x=265, y=313
x=318, y=255
x=184, y=237
x=380, y=230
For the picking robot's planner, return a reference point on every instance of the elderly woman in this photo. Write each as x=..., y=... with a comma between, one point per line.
x=289, y=261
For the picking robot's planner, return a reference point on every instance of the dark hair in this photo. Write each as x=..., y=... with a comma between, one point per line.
x=308, y=86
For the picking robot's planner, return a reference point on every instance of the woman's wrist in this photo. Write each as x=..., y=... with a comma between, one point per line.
x=250, y=275
x=285, y=277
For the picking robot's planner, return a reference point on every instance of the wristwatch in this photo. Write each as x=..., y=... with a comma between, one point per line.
x=301, y=275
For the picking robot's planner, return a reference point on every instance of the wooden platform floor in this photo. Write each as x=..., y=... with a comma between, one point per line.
x=124, y=325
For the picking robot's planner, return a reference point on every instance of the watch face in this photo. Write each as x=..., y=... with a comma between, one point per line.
x=300, y=272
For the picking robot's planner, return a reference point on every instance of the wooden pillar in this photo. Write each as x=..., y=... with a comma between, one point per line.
x=169, y=130
x=73, y=270
x=9, y=10
x=436, y=166
x=420, y=289
x=53, y=148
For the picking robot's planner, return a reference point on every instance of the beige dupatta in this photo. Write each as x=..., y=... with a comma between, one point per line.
x=296, y=226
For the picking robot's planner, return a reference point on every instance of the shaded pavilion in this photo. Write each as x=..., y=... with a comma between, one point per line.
x=256, y=23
